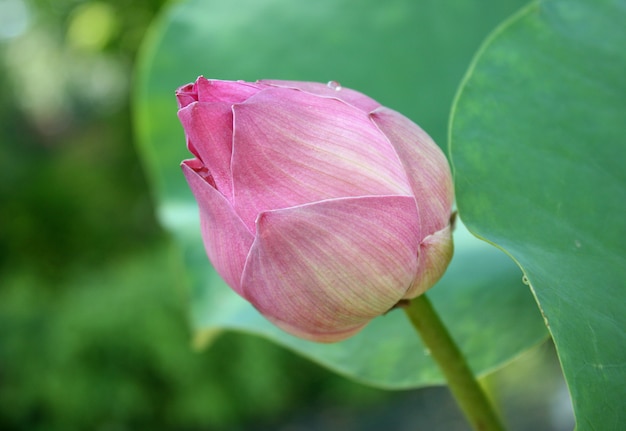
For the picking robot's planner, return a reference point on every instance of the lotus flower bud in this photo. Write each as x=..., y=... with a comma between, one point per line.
x=319, y=206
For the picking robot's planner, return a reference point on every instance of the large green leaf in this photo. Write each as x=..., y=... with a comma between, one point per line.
x=538, y=140
x=409, y=55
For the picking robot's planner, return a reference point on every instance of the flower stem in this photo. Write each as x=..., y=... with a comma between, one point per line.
x=464, y=386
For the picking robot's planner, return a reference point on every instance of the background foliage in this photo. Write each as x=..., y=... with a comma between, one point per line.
x=93, y=304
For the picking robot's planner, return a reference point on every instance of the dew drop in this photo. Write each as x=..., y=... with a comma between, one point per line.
x=525, y=280
x=334, y=85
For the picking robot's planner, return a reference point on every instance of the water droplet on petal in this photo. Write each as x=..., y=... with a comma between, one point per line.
x=334, y=85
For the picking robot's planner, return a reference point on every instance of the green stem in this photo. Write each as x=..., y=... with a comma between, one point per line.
x=464, y=386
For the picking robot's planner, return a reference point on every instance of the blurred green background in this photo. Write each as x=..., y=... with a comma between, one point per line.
x=93, y=320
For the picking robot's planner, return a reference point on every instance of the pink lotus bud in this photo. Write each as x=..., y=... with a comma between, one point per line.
x=318, y=205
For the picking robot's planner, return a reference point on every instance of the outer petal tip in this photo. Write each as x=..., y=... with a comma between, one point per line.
x=186, y=95
x=435, y=254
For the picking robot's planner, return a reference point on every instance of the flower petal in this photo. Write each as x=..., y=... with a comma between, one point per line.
x=323, y=270
x=226, y=238
x=186, y=94
x=434, y=255
x=334, y=90
x=209, y=130
x=215, y=90
x=292, y=148
x=426, y=167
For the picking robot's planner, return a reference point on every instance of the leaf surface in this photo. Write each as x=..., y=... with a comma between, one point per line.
x=538, y=143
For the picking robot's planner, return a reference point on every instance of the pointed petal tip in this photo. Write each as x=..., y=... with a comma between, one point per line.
x=186, y=95
x=434, y=256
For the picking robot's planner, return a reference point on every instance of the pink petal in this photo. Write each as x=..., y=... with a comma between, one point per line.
x=322, y=271
x=209, y=131
x=435, y=253
x=426, y=167
x=332, y=89
x=226, y=238
x=292, y=148
x=186, y=94
x=215, y=90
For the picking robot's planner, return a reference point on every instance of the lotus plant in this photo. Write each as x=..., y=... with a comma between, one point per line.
x=325, y=209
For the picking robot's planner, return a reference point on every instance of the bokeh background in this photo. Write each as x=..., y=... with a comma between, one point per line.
x=94, y=329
